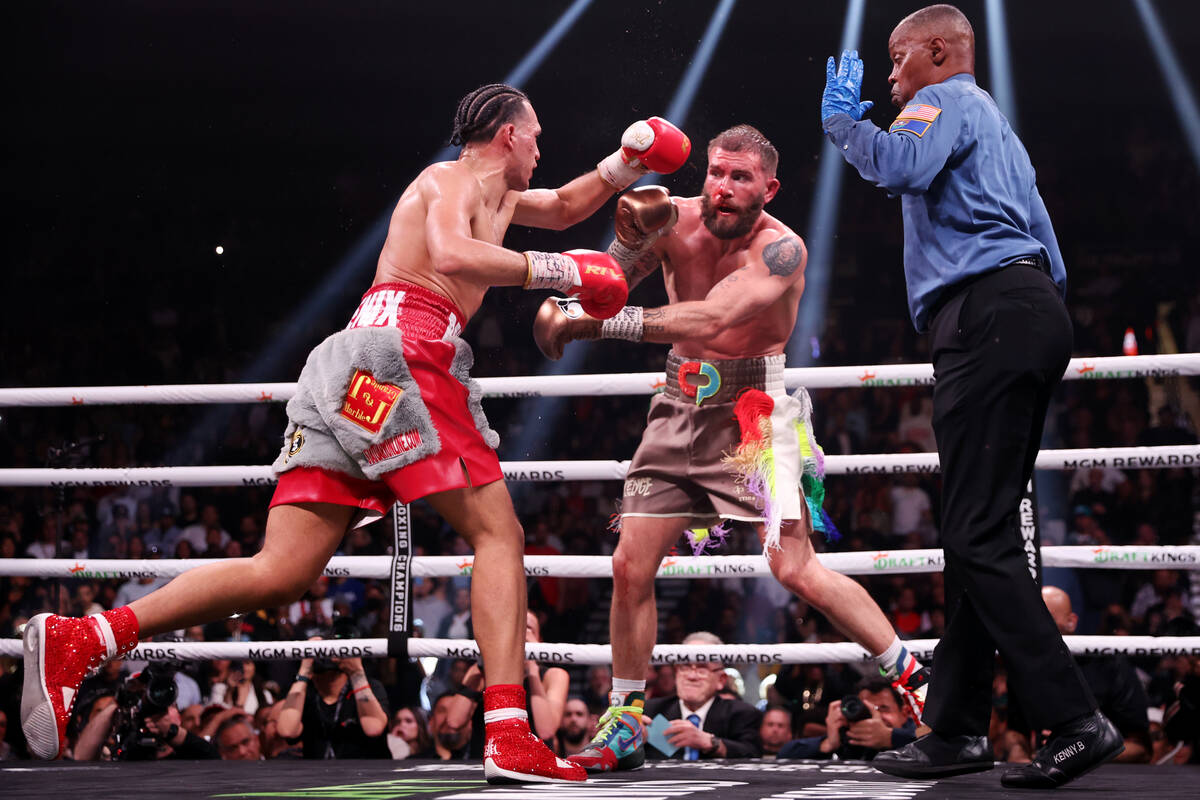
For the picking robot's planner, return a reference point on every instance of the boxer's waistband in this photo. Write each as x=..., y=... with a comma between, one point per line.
x=415, y=311
x=721, y=380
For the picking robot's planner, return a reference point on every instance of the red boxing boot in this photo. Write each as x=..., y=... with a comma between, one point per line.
x=59, y=653
x=511, y=753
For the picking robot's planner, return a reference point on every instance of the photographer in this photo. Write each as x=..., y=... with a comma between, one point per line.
x=333, y=709
x=140, y=724
x=859, y=725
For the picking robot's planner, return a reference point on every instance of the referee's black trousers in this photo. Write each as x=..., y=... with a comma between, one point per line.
x=1000, y=347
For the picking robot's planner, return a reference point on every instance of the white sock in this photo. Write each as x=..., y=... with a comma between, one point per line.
x=895, y=661
x=621, y=689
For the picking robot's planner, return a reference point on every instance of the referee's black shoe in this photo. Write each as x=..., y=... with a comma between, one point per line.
x=1075, y=749
x=935, y=756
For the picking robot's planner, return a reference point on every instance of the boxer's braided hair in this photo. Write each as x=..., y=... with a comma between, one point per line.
x=481, y=113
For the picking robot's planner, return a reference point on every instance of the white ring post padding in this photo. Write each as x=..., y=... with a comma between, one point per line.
x=1108, y=367
x=1167, y=457
x=879, y=562
x=586, y=654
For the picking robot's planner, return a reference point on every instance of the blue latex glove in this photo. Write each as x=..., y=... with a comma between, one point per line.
x=842, y=88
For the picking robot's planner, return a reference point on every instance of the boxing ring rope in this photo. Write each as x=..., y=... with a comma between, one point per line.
x=588, y=654
x=1165, y=457
x=877, y=562
x=1107, y=367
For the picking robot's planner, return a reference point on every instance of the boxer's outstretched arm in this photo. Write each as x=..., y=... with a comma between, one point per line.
x=451, y=199
x=561, y=208
x=771, y=269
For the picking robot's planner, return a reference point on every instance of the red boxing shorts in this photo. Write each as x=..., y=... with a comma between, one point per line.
x=385, y=409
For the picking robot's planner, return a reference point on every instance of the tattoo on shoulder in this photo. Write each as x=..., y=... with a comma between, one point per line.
x=782, y=256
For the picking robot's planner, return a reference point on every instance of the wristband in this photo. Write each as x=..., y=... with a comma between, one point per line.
x=619, y=173
x=303, y=679
x=471, y=694
x=171, y=733
x=625, y=324
x=361, y=688
x=550, y=271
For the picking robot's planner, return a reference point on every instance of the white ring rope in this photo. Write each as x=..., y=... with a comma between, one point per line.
x=1103, y=368
x=585, y=654
x=869, y=562
x=1166, y=457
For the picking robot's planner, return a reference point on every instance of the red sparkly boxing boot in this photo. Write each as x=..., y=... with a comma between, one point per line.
x=511, y=753
x=59, y=653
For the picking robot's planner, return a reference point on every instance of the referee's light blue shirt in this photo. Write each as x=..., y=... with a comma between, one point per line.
x=966, y=184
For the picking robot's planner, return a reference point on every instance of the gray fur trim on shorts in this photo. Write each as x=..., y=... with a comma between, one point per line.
x=330, y=440
x=460, y=368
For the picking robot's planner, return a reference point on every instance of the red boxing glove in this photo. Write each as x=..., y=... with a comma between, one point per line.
x=663, y=148
x=594, y=277
x=603, y=290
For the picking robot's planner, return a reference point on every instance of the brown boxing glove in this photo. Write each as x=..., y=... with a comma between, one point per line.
x=642, y=216
x=560, y=320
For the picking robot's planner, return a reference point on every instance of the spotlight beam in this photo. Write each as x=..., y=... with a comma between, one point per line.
x=999, y=63
x=541, y=414
x=822, y=226
x=1177, y=82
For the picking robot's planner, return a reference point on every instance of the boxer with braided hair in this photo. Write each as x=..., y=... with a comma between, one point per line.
x=481, y=112
x=384, y=409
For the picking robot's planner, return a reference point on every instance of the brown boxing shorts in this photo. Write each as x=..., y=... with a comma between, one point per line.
x=677, y=470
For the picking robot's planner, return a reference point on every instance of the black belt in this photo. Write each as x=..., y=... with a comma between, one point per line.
x=950, y=291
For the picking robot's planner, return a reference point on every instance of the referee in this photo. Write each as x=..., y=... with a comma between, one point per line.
x=986, y=279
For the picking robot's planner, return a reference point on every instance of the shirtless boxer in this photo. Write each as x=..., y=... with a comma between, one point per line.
x=385, y=409
x=734, y=276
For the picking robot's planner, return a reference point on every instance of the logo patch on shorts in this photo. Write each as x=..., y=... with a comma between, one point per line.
x=638, y=486
x=701, y=391
x=296, y=444
x=369, y=402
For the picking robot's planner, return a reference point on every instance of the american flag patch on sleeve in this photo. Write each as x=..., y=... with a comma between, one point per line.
x=915, y=119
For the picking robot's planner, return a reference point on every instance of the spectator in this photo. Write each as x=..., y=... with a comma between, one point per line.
x=703, y=725
x=1112, y=680
x=197, y=533
x=457, y=624
x=884, y=723
x=429, y=604
x=576, y=730
x=47, y=544
x=242, y=688
x=335, y=711
x=315, y=609
x=237, y=741
x=776, y=730
x=410, y=734
x=599, y=684
x=137, y=588
x=450, y=742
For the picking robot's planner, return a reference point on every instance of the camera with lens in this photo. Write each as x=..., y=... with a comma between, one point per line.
x=342, y=628
x=854, y=709
x=149, y=693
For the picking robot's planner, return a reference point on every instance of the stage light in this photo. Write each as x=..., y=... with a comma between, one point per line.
x=999, y=62
x=1177, y=83
x=220, y=250
x=822, y=225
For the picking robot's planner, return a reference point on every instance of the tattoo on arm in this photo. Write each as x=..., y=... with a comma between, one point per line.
x=782, y=256
x=654, y=320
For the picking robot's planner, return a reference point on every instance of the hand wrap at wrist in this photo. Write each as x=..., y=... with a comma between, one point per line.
x=551, y=271
x=619, y=173
x=627, y=325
